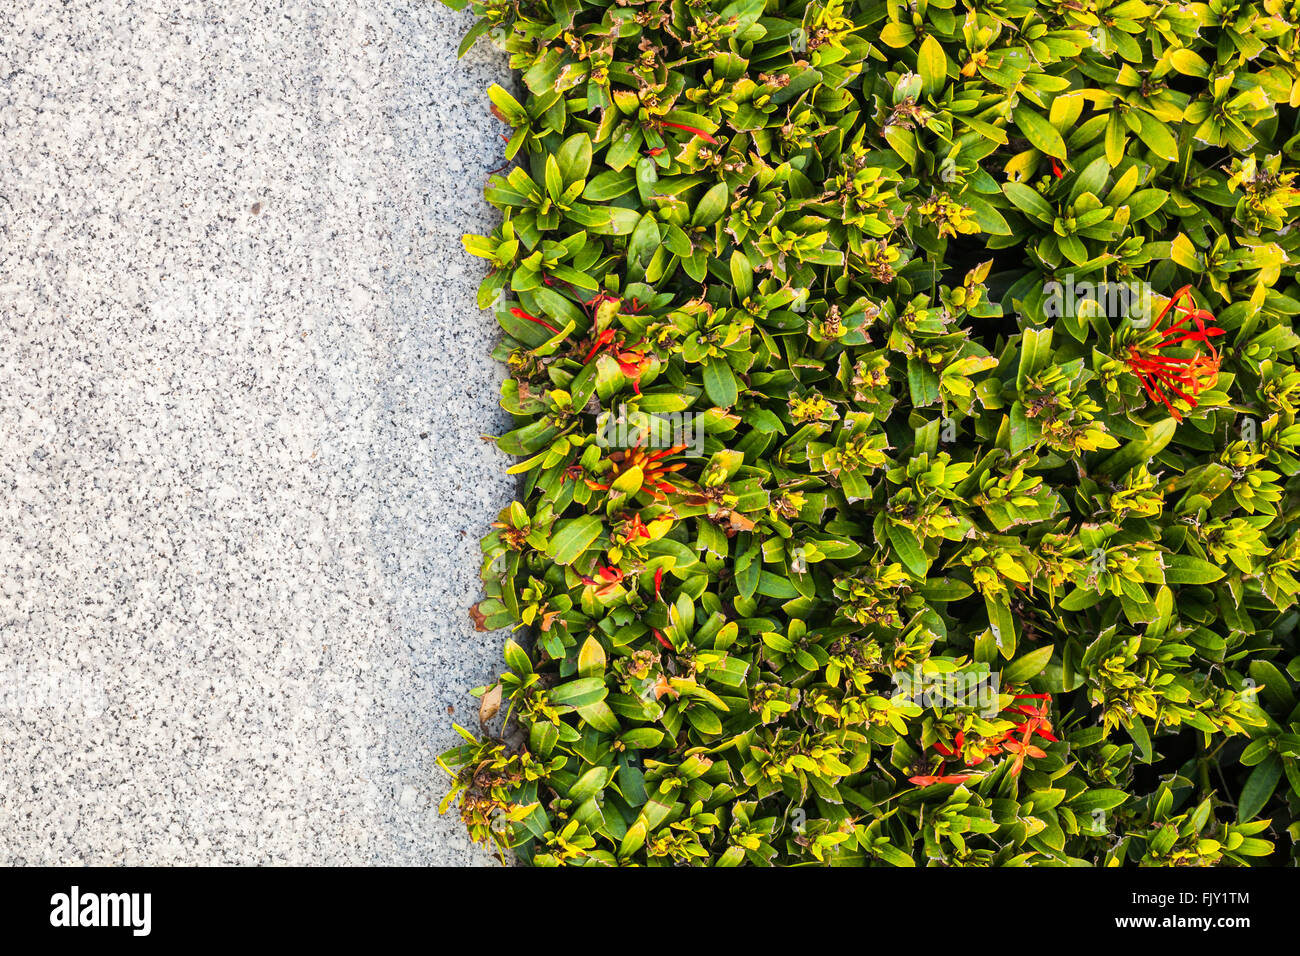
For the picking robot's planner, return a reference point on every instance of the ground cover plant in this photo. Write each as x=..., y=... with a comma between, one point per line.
x=905, y=409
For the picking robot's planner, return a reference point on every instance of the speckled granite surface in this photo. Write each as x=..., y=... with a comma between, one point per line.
x=242, y=389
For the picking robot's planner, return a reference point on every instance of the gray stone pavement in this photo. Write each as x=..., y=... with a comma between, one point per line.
x=243, y=385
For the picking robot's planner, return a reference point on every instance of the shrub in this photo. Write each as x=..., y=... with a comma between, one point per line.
x=906, y=403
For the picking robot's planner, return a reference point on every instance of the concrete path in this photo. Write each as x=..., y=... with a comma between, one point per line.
x=242, y=387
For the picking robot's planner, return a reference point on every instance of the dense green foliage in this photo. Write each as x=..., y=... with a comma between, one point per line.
x=847, y=243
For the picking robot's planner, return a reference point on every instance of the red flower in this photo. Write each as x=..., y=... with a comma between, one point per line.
x=1036, y=723
x=631, y=362
x=596, y=301
x=690, y=129
x=659, y=583
x=1022, y=749
x=653, y=473
x=1036, y=726
x=958, y=742
x=521, y=314
x=636, y=529
x=1166, y=378
x=662, y=640
x=926, y=780
x=1056, y=169
x=601, y=341
x=609, y=580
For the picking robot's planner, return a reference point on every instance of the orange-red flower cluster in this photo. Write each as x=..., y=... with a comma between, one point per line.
x=606, y=581
x=1166, y=378
x=1017, y=741
x=653, y=470
x=633, y=529
x=632, y=362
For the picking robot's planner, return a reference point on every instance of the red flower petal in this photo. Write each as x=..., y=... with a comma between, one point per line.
x=521, y=314
x=690, y=129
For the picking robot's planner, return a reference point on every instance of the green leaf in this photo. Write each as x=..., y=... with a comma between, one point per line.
x=574, y=158
x=610, y=185
x=510, y=107
x=922, y=382
x=774, y=586
x=589, y=784
x=1029, y=202
x=1259, y=787
x=578, y=693
x=1035, y=354
x=1144, y=202
x=1102, y=799
x=1027, y=665
x=720, y=383
x=574, y=536
x=908, y=549
x=1039, y=132
x=711, y=207
x=517, y=658
x=1157, y=137
x=600, y=717
x=1092, y=179
x=1186, y=569
x=591, y=659
x=892, y=855
x=987, y=215
x=1138, y=731
x=897, y=34
x=932, y=65
x=1139, y=450
x=1002, y=624
x=642, y=738
x=1276, y=686
x=1116, y=137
